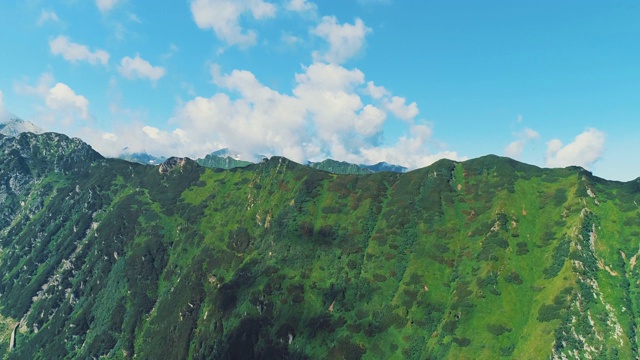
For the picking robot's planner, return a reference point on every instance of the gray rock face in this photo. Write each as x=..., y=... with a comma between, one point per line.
x=170, y=164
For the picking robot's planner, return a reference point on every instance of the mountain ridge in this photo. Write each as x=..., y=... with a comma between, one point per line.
x=486, y=258
x=223, y=159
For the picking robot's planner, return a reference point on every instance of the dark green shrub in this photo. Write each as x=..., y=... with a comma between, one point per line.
x=513, y=278
x=498, y=329
x=462, y=342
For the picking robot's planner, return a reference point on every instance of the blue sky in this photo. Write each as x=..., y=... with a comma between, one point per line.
x=552, y=83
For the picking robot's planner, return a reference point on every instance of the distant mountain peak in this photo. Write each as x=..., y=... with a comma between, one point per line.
x=385, y=166
x=141, y=157
x=16, y=126
x=339, y=167
x=222, y=159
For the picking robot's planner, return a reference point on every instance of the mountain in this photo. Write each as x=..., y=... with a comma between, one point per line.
x=14, y=127
x=340, y=167
x=221, y=160
x=142, y=158
x=383, y=166
x=345, y=168
x=224, y=159
x=485, y=259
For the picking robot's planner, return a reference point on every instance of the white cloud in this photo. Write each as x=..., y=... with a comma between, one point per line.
x=130, y=135
x=369, y=121
x=74, y=52
x=136, y=67
x=61, y=106
x=110, y=136
x=330, y=112
x=514, y=149
x=585, y=150
x=106, y=5
x=376, y=92
x=300, y=5
x=397, y=105
x=345, y=41
x=62, y=98
x=223, y=17
x=47, y=15
x=409, y=151
x=45, y=81
x=328, y=93
x=322, y=117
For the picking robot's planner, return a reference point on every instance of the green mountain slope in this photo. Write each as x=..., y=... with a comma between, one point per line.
x=339, y=167
x=484, y=259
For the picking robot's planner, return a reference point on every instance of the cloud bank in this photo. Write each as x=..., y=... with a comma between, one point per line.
x=585, y=150
x=327, y=114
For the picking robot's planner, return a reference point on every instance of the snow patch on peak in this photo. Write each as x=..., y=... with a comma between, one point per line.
x=15, y=127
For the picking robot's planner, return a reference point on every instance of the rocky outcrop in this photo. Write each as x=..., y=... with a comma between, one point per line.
x=171, y=163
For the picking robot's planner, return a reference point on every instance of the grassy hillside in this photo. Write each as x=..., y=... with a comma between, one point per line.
x=488, y=258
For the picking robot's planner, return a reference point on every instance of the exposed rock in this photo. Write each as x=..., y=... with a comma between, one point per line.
x=171, y=163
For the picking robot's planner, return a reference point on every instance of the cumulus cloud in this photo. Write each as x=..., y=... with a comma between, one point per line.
x=61, y=105
x=47, y=15
x=323, y=116
x=376, y=92
x=409, y=151
x=300, y=5
x=132, y=134
x=106, y=5
x=585, y=150
x=344, y=40
x=514, y=149
x=398, y=106
x=138, y=68
x=223, y=17
x=75, y=52
x=62, y=98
